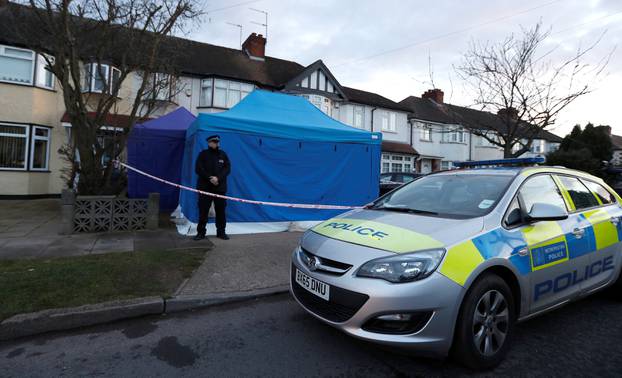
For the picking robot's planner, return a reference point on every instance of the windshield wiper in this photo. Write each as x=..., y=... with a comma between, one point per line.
x=405, y=210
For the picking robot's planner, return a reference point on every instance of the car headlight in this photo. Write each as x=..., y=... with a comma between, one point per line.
x=404, y=267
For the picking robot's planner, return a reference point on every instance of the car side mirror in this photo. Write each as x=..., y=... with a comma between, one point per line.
x=546, y=212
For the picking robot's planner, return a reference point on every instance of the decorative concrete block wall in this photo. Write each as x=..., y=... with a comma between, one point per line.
x=108, y=213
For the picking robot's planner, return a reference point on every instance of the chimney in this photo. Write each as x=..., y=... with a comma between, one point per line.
x=255, y=46
x=510, y=113
x=607, y=129
x=434, y=94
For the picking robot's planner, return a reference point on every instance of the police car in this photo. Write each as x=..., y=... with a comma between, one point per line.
x=448, y=263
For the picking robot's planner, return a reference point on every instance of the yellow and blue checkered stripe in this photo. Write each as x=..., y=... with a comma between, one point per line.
x=462, y=259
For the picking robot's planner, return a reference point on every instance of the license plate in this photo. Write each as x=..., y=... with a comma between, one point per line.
x=312, y=285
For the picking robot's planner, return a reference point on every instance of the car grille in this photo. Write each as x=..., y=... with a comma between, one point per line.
x=340, y=307
x=326, y=265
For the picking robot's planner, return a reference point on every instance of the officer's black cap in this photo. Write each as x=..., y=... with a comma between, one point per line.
x=213, y=137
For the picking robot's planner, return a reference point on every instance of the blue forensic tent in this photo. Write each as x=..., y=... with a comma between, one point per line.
x=284, y=149
x=157, y=147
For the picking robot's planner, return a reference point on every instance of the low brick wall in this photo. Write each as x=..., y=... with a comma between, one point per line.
x=108, y=213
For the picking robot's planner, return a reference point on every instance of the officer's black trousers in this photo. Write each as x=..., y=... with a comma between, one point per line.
x=219, y=205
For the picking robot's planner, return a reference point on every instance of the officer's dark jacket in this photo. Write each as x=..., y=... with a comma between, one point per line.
x=211, y=162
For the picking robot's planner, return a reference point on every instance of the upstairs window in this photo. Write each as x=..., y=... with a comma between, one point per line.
x=100, y=78
x=453, y=135
x=161, y=87
x=359, y=117
x=16, y=65
x=45, y=78
x=224, y=94
x=388, y=121
x=425, y=134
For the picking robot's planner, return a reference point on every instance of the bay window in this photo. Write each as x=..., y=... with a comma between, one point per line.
x=13, y=146
x=44, y=77
x=16, y=140
x=224, y=94
x=40, y=149
x=16, y=65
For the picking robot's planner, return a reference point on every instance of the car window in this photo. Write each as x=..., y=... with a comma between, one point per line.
x=541, y=189
x=579, y=194
x=448, y=195
x=603, y=194
x=385, y=177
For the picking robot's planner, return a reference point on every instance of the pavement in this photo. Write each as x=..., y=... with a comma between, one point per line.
x=244, y=267
x=30, y=229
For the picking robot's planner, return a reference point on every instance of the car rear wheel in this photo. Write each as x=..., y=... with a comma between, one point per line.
x=485, y=323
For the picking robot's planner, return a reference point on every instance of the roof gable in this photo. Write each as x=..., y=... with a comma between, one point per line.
x=303, y=81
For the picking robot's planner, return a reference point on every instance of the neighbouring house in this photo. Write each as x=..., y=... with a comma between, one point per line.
x=419, y=133
x=442, y=133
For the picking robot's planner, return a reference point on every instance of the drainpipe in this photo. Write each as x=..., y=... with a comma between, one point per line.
x=372, y=118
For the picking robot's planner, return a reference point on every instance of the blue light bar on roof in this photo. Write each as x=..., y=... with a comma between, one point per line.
x=499, y=162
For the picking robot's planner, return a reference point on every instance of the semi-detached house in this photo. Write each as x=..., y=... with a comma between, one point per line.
x=33, y=123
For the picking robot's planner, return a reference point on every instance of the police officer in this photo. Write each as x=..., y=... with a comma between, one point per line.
x=212, y=167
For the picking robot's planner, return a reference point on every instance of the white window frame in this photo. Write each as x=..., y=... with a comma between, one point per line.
x=425, y=133
x=43, y=72
x=32, y=64
x=33, y=139
x=205, y=84
x=406, y=162
x=392, y=122
x=358, y=109
x=244, y=88
x=25, y=136
x=384, y=120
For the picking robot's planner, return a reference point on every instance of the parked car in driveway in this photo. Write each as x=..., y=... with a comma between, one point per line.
x=391, y=180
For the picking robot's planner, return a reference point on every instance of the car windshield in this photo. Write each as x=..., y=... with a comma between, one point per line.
x=447, y=195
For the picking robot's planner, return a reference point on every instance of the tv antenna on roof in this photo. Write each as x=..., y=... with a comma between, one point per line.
x=265, y=25
x=237, y=26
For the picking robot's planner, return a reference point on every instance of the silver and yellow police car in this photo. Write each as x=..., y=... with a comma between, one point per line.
x=447, y=264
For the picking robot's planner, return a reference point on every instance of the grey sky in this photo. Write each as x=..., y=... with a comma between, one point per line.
x=383, y=46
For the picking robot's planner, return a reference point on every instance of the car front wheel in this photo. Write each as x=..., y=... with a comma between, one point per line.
x=485, y=323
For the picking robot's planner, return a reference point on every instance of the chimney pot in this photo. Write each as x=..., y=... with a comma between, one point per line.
x=434, y=94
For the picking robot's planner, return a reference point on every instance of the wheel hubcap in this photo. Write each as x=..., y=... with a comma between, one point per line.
x=490, y=322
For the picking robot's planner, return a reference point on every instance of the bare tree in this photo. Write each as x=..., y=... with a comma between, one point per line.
x=109, y=57
x=525, y=93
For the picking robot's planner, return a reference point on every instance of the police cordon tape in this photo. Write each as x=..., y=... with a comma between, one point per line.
x=291, y=205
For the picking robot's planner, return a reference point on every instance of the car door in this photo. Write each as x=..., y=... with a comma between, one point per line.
x=548, y=246
x=605, y=221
